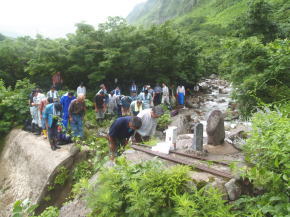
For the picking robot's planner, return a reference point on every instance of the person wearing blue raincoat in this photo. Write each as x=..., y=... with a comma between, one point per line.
x=65, y=102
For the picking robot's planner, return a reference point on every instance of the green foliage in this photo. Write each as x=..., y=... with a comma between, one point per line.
x=258, y=71
x=257, y=21
x=152, y=141
x=23, y=208
x=150, y=189
x=26, y=209
x=205, y=202
x=14, y=108
x=267, y=151
x=83, y=169
x=164, y=121
x=78, y=188
x=50, y=211
x=62, y=176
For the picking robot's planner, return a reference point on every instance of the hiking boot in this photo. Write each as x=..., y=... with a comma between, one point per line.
x=37, y=131
x=44, y=132
x=32, y=127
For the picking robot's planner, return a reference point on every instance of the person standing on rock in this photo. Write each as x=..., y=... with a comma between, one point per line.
x=31, y=108
x=104, y=89
x=117, y=91
x=53, y=94
x=149, y=123
x=146, y=99
x=51, y=120
x=76, y=112
x=65, y=101
x=180, y=94
x=157, y=95
x=133, y=88
x=42, y=106
x=81, y=89
x=120, y=132
x=100, y=105
x=165, y=94
x=38, y=97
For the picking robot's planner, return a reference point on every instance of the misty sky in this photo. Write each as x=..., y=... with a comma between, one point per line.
x=56, y=18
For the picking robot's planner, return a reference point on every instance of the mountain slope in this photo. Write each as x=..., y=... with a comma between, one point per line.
x=158, y=11
x=221, y=12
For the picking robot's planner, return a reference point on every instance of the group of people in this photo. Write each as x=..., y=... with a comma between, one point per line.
x=51, y=114
x=115, y=103
x=137, y=113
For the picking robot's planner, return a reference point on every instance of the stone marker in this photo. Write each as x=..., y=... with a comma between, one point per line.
x=197, y=144
x=215, y=128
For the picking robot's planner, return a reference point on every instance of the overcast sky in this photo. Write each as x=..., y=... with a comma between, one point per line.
x=56, y=18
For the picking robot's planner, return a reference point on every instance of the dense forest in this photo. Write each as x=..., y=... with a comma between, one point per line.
x=243, y=41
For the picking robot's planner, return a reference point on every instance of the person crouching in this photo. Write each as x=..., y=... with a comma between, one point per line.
x=120, y=132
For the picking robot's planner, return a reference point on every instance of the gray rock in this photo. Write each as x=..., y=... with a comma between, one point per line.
x=233, y=189
x=197, y=144
x=75, y=208
x=215, y=128
x=182, y=122
x=27, y=164
x=213, y=76
x=185, y=136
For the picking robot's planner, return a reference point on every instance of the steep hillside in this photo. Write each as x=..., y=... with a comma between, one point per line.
x=221, y=12
x=158, y=11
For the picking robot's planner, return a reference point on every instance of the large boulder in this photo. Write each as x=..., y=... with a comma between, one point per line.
x=27, y=165
x=215, y=128
x=233, y=189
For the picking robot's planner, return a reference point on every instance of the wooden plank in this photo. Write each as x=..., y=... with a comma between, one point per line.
x=183, y=162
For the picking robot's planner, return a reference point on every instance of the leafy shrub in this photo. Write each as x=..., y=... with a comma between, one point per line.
x=267, y=151
x=61, y=176
x=79, y=187
x=14, y=108
x=150, y=189
x=23, y=208
x=205, y=202
x=50, y=211
x=163, y=121
x=83, y=169
x=259, y=72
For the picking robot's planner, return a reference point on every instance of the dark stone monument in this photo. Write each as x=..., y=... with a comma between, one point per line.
x=215, y=128
x=197, y=144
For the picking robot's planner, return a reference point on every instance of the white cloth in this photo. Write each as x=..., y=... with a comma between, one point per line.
x=112, y=104
x=165, y=99
x=36, y=111
x=149, y=123
x=165, y=91
x=53, y=94
x=180, y=89
x=146, y=100
x=165, y=95
x=81, y=90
